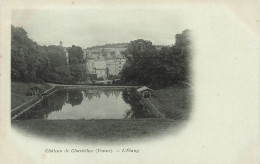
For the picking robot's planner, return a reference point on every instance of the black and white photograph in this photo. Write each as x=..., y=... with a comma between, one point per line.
x=110, y=78
x=129, y=82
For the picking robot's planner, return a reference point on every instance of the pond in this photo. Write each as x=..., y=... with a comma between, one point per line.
x=88, y=104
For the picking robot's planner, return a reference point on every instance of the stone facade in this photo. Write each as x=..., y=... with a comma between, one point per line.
x=104, y=62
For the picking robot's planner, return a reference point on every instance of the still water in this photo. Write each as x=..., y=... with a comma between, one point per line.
x=87, y=104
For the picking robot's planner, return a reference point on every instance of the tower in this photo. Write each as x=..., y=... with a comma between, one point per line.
x=66, y=52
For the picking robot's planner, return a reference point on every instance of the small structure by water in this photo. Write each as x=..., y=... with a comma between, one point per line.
x=36, y=90
x=145, y=92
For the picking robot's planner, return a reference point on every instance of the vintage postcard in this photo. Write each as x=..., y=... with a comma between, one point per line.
x=129, y=82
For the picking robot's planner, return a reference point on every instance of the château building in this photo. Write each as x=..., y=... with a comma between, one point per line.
x=104, y=62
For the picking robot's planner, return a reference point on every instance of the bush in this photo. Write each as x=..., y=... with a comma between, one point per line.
x=53, y=76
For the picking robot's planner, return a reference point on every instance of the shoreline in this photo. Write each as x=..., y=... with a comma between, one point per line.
x=20, y=109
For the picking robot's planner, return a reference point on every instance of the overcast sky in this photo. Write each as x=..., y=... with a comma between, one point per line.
x=87, y=28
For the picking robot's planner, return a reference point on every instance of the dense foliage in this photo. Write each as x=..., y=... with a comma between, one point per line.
x=158, y=68
x=146, y=65
x=75, y=55
x=31, y=62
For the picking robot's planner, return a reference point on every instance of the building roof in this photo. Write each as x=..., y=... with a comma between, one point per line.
x=106, y=55
x=109, y=55
x=143, y=89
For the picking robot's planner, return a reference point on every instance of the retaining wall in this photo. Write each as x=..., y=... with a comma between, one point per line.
x=17, y=111
x=152, y=109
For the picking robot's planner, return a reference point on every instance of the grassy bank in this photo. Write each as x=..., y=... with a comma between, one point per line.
x=106, y=130
x=173, y=102
x=19, y=92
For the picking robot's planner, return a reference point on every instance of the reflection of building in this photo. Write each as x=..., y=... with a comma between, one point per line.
x=109, y=92
x=96, y=93
x=90, y=93
x=117, y=93
x=104, y=62
x=106, y=93
x=100, y=67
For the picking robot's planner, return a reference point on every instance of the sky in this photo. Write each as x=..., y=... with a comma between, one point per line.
x=89, y=27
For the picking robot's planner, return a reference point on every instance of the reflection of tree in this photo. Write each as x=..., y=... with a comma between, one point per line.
x=52, y=103
x=132, y=99
x=117, y=93
x=95, y=93
x=88, y=95
x=106, y=93
x=57, y=100
x=100, y=93
x=75, y=97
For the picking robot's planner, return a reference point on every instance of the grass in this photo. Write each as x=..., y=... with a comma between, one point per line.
x=19, y=92
x=108, y=130
x=173, y=102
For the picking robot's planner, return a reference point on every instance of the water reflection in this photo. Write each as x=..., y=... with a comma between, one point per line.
x=88, y=104
x=97, y=93
x=41, y=111
x=75, y=97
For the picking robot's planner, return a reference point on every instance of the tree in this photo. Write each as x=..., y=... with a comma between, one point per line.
x=177, y=58
x=147, y=66
x=43, y=63
x=141, y=56
x=183, y=44
x=57, y=56
x=75, y=55
x=77, y=68
x=23, y=55
x=33, y=63
x=78, y=72
x=140, y=49
x=58, y=68
x=18, y=64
